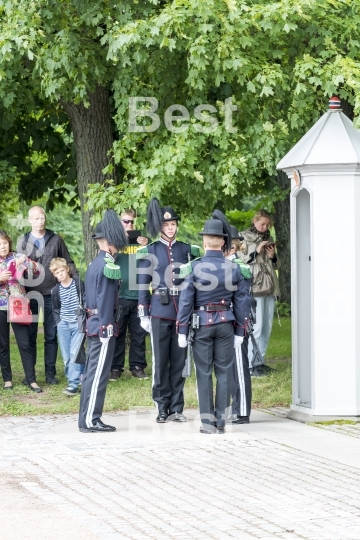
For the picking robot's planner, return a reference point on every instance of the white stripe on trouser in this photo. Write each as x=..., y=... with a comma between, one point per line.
x=95, y=384
x=241, y=378
x=153, y=363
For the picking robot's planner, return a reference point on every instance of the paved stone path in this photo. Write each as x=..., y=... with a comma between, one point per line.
x=272, y=479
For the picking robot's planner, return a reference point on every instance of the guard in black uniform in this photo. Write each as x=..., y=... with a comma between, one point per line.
x=213, y=285
x=101, y=286
x=159, y=264
x=241, y=380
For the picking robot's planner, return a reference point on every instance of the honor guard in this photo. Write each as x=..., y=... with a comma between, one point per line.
x=241, y=380
x=101, y=286
x=159, y=264
x=215, y=299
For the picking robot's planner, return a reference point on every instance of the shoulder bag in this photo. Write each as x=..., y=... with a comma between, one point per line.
x=263, y=283
x=19, y=310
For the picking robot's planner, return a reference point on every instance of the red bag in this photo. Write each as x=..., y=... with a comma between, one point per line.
x=19, y=310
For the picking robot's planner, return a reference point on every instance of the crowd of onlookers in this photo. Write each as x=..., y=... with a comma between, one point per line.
x=40, y=271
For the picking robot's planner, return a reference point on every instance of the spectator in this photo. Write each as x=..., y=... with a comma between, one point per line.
x=259, y=253
x=42, y=245
x=65, y=300
x=10, y=285
x=128, y=300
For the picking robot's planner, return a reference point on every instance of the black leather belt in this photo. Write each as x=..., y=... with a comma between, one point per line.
x=173, y=291
x=91, y=312
x=212, y=307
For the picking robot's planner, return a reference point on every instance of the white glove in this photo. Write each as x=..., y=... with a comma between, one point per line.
x=182, y=340
x=238, y=341
x=104, y=339
x=145, y=323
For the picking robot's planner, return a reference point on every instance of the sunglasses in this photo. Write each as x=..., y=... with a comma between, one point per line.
x=232, y=247
x=127, y=221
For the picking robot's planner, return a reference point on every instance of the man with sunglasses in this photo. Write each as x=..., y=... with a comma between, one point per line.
x=128, y=300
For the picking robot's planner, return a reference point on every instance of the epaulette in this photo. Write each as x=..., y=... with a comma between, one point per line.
x=186, y=269
x=244, y=268
x=143, y=252
x=195, y=251
x=111, y=270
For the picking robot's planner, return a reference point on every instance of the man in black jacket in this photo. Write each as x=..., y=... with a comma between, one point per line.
x=42, y=245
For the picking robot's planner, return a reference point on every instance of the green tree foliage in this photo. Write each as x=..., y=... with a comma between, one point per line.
x=278, y=60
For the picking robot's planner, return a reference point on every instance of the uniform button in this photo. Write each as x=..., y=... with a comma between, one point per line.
x=173, y=279
x=210, y=320
x=172, y=260
x=173, y=265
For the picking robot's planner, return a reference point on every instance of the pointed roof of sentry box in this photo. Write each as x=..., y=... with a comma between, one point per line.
x=332, y=140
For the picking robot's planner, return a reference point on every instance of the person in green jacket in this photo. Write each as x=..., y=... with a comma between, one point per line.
x=128, y=300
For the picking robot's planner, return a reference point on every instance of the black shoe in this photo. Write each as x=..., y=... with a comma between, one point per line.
x=115, y=374
x=24, y=382
x=177, y=417
x=240, y=419
x=98, y=427
x=220, y=430
x=208, y=430
x=258, y=372
x=52, y=381
x=139, y=373
x=35, y=389
x=162, y=417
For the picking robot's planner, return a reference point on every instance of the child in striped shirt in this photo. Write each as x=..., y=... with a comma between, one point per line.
x=65, y=300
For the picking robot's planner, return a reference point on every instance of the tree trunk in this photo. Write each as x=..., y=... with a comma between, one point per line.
x=282, y=229
x=93, y=139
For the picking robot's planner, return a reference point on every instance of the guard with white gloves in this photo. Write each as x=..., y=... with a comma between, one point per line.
x=215, y=291
x=182, y=341
x=159, y=267
x=101, y=289
x=145, y=323
x=238, y=341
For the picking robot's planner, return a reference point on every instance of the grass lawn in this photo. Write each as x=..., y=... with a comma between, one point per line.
x=130, y=392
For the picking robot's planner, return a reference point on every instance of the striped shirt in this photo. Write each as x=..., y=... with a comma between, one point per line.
x=69, y=301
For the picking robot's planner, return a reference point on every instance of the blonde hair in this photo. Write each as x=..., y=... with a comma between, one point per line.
x=129, y=212
x=57, y=263
x=213, y=241
x=262, y=213
x=237, y=243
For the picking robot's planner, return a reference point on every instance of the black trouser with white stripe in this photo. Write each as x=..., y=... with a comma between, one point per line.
x=213, y=349
x=241, y=383
x=95, y=380
x=168, y=363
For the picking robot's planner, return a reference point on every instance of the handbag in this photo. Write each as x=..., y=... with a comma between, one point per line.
x=263, y=283
x=19, y=310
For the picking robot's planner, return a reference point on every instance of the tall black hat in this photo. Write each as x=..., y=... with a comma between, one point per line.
x=235, y=235
x=157, y=215
x=112, y=230
x=226, y=227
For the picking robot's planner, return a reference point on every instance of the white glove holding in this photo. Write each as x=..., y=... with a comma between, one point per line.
x=104, y=339
x=145, y=323
x=182, y=340
x=238, y=341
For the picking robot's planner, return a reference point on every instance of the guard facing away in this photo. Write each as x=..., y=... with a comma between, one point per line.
x=212, y=286
x=241, y=380
x=101, y=285
x=159, y=264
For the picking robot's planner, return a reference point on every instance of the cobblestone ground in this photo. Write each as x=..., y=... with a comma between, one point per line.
x=186, y=486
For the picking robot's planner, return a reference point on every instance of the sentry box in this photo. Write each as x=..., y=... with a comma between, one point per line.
x=324, y=168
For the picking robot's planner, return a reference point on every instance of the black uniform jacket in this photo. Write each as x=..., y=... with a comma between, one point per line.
x=101, y=294
x=214, y=280
x=160, y=269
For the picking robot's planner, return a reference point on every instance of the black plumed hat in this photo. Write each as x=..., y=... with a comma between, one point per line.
x=112, y=230
x=226, y=227
x=157, y=215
